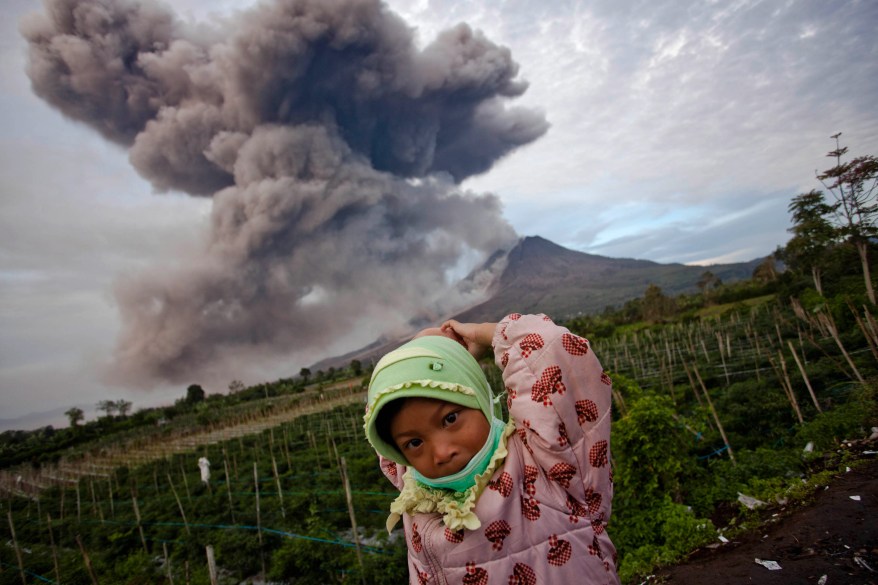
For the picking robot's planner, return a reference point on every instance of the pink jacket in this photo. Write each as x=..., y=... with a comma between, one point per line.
x=545, y=511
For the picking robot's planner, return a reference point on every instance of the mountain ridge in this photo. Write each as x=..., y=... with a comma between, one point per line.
x=541, y=276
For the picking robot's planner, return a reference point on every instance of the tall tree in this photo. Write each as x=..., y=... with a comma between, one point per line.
x=854, y=185
x=305, y=373
x=813, y=233
x=123, y=407
x=194, y=394
x=75, y=415
x=108, y=407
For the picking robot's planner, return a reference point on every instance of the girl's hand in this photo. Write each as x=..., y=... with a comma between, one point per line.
x=476, y=337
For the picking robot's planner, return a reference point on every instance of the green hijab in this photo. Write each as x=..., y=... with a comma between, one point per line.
x=427, y=367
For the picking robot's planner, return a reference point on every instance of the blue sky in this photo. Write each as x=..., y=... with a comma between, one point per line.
x=679, y=133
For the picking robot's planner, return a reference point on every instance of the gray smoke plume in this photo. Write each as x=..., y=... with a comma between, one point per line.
x=331, y=145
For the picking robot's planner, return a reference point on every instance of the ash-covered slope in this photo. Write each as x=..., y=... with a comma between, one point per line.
x=540, y=276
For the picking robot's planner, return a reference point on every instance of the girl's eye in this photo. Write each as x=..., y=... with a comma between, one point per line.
x=413, y=444
x=451, y=418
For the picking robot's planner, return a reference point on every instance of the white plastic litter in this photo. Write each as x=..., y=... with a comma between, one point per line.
x=822, y=580
x=847, y=469
x=809, y=447
x=204, y=466
x=855, y=498
x=770, y=565
x=874, y=434
x=749, y=501
x=723, y=539
x=862, y=563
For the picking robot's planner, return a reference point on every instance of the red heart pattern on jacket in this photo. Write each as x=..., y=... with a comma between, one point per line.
x=574, y=344
x=550, y=382
x=454, y=536
x=530, y=343
x=475, y=575
x=522, y=575
x=586, y=410
x=562, y=473
x=496, y=533
x=502, y=484
x=597, y=455
x=560, y=551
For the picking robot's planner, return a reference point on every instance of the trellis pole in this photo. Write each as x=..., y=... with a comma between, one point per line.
x=719, y=425
x=16, y=547
x=804, y=376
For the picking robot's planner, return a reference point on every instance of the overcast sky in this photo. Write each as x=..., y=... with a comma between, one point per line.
x=678, y=132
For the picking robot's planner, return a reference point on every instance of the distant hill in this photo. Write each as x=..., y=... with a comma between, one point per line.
x=540, y=276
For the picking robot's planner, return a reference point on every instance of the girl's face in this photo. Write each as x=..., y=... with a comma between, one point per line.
x=438, y=438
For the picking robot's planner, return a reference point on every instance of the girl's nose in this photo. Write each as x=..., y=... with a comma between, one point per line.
x=444, y=453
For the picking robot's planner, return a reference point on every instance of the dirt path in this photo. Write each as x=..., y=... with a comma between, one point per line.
x=836, y=536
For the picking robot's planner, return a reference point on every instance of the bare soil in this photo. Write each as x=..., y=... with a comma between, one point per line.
x=833, y=536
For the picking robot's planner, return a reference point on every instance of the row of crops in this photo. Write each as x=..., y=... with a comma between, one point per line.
x=704, y=409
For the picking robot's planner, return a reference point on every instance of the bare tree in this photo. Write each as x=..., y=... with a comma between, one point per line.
x=854, y=185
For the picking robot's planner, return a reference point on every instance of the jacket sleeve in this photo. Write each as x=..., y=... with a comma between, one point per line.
x=392, y=471
x=561, y=400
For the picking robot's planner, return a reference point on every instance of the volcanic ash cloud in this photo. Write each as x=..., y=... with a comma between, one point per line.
x=332, y=148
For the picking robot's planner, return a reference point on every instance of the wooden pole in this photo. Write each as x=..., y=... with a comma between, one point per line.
x=168, y=563
x=16, y=547
x=229, y=488
x=280, y=492
x=789, y=383
x=804, y=376
x=829, y=323
x=356, y=532
x=211, y=566
x=258, y=516
x=54, y=550
x=185, y=483
x=112, y=503
x=719, y=425
x=139, y=524
x=179, y=504
x=87, y=561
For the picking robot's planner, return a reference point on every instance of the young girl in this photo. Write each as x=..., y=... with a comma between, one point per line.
x=483, y=500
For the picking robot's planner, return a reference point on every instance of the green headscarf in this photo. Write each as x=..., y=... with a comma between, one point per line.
x=427, y=367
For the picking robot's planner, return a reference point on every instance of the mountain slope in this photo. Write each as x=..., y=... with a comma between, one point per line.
x=540, y=276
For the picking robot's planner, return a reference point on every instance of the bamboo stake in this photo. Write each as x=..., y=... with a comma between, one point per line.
x=17, y=549
x=186, y=483
x=719, y=425
x=78, y=504
x=350, y=501
x=258, y=516
x=804, y=376
x=829, y=323
x=179, y=504
x=211, y=566
x=87, y=560
x=112, y=503
x=280, y=492
x=168, y=563
x=722, y=356
x=229, y=488
x=137, y=516
x=789, y=385
x=54, y=550
x=786, y=389
x=865, y=330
